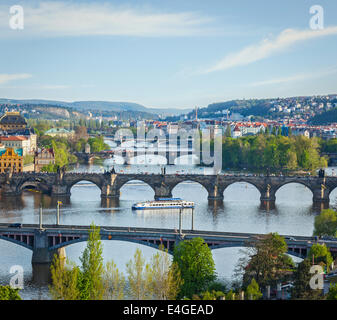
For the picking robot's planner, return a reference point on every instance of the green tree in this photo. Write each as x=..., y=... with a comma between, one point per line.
x=91, y=276
x=195, y=261
x=230, y=295
x=165, y=277
x=326, y=223
x=265, y=261
x=139, y=277
x=320, y=254
x=253, y=291
x=228, y=132
x=290, y=132
x=64, y=280
x=8, y=293
x=114, y=282
x=302, y=276
x=332, y=294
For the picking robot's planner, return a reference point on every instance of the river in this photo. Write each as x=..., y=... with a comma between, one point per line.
x=240, y=212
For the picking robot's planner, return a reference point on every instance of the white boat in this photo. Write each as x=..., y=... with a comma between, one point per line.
x=163, y=203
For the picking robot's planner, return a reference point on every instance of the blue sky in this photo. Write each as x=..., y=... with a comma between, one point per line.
x=167, y=54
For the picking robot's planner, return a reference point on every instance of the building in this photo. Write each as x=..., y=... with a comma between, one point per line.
x=59, y=132
x=11, y=159
x=43, y=158
x=236, y=132
x=16, y=142
x=12, y=122
x=27, y=143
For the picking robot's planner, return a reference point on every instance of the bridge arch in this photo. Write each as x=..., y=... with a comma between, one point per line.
x=37, y=183
x=333, y=195
x=279, y=187
x=155, y=244
x=204, y=186
x=74, y=182
x=241, y=182
x=136, y=179
x=238, y=245
x=17, y=242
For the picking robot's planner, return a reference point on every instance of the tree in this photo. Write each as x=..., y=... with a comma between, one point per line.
x=165, y=277
x=265, y=261
x=332, y=294
x=274, y=131
x=81, y=133
x=302, y=276
x=114, y=282
x=320, y=254
x=195, y=261
x=326, y=223
x=64, y=280
x=253, y=291
x=228, y=132
x=92, y=270
x=290, y=132
x=8, y=293
x=139, y=277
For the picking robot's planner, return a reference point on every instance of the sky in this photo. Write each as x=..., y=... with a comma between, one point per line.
x=167, y=53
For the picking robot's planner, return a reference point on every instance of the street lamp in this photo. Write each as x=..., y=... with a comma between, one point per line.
x=180, y=218
x=58, y=213
x=40, y=217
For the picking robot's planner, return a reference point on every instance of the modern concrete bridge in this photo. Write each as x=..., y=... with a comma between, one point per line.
x=60, y=184
x=51, y=239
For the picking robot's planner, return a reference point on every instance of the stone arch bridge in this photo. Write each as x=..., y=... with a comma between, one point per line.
x=60, y=184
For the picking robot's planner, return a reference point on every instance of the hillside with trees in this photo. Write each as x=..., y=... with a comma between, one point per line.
x=325, y=118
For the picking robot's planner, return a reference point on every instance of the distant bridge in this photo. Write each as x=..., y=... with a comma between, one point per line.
x=60, y=184
x=129, y=154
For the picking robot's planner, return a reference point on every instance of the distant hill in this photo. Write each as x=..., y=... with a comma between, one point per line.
x=324, y=118
x=254, y=107
x=115, y=106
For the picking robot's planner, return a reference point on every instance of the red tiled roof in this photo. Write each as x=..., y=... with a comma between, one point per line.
x=13, y=138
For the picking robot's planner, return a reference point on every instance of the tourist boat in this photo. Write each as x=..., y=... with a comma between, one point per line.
x=163, y=203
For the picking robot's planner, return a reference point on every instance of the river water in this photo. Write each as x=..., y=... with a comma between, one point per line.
x=240, y=212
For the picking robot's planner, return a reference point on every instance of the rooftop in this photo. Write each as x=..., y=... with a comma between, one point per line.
x=13, y=118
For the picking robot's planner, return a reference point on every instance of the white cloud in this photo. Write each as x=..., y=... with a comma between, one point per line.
x=4, y=78
x=296, y=77
x=268, y=47
x=50, y=19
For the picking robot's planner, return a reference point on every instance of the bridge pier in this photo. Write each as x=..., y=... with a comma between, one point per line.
x=59, y=190
x=109, y=191
x=42, y=258
x=267, y=197
x=10, y=191
x=215, y=193
x=321, y=198
x=162, y=191
x=267, y=205
x=109, y=202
